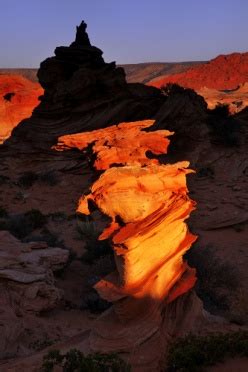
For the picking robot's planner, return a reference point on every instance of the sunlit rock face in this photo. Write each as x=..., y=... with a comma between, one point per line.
x=125, y=143
x=223, y=72
x=18, y=98
x=148, y=205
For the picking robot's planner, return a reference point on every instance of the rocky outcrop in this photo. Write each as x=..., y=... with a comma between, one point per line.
x=237, y=99
x=81, y=92
x=125, y=143
x=222, y=72
x=18, y=98
x=27, y=285
x=148, y=204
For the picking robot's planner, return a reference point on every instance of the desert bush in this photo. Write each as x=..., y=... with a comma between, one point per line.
x=52, y=239
x=3, y=179
x=50, y=178
x=95, y=248
x=57, y=216
x=27, y=179
x=239, y=307
x=21, y=225
x=216, y=279
x=224, y=127
x=193, y=353
x=35, y=219
x=3, y=212
x=74, y=360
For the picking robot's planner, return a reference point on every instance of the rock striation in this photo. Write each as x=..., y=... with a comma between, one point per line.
x=18, y=98
x=222, y=73
x=27, y=285
x=81, y=92
x=148, y=204
x=125, y=143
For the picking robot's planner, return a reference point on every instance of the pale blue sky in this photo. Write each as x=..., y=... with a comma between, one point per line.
x=128, y=31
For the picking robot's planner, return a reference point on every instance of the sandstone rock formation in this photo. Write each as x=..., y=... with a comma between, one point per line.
x=148, y=204
x=222, y=72
x=81, y=92
x=27, y=285
x=126, y=143
x=18, y=98
x=236, y=99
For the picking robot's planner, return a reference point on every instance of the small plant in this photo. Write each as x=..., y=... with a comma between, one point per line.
x=89, y=232
x=224, y=127
x=39, y=345
x=35, y=219
x=192, y=353
x=58, y=216
x=3, y=179
x=27, y=179
x=3, y=212
x=215, y=278
x=50, y=178
x=21, y=225
x=75, y=361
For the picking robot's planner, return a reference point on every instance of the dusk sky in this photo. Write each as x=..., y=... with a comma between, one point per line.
x=128, y=31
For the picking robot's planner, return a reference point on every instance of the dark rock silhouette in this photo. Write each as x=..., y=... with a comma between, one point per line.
x=82, y=92
x=82, y=38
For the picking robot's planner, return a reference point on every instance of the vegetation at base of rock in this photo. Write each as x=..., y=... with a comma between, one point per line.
x=47, y=236
x=95, y=248
x=224, y=127
x=20, y=225
x=74, y=360
x=3, y=212
x=29, y=178
x=192, y=353
x=216, y=279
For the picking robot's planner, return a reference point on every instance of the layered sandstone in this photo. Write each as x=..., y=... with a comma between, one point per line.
x=148, y=204
x=221, y=73
x=126, y=143
x=18, y=98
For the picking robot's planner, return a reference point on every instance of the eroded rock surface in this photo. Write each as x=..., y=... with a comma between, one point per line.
x=152, y=204
x=27, y=285
x=18, y=98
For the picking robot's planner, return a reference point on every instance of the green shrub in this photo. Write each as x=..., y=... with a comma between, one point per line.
x=3, y=212
x=50, y=178
x=215, y=278
x=192, y=353
x=27, y=179
x=224, y=127
x=22, y=225
x=89, y=232
x=75, y=361
x=35, y=219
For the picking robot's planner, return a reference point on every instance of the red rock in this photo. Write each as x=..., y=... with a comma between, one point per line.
x=222, y=72
x=18, y=98
x=151, y=201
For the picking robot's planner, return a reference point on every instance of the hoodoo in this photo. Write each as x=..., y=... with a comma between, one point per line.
x=148, y=205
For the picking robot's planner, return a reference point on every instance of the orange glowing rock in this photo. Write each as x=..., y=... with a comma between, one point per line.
x=148, y=205
x=126, y=143
x=18, y=98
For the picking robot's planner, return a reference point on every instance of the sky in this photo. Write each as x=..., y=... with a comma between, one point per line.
x=128, y=31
